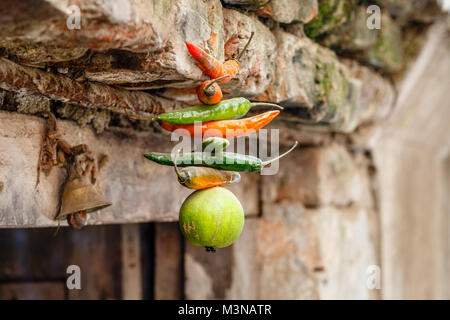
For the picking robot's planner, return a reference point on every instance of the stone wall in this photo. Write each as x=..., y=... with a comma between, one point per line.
x=313, y=230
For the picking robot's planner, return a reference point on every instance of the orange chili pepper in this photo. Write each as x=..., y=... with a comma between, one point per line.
x=223, y=128
x=209, y=91
x=202, y=178
x=213, y=67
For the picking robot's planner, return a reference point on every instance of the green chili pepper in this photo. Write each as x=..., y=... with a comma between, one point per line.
x=224, y=110
x=224, y=161
x=215, y=143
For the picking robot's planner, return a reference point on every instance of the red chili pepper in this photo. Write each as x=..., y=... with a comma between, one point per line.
x=209, y=91
x=207, y=63
x=224, y=128
x=213, y=67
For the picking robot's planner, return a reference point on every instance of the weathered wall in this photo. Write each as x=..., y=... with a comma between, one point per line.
x=412, y=158
x=341, y=202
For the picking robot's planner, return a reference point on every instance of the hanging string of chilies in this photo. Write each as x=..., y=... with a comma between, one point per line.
x=211, y=167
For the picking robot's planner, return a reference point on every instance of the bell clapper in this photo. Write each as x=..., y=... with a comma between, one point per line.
x=77, y=220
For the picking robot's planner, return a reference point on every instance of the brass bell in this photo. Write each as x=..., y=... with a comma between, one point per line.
x=81, y=195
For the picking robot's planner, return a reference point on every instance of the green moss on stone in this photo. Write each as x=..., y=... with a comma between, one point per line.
x=332, y=91
x=387, y=52
x=332, y=14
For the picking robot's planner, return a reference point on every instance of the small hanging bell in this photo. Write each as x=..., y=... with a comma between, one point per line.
x=81, y=195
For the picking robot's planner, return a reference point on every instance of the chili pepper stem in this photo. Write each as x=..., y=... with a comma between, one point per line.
x=257, y=104
x=266, y=163
x=175, y=164
x=246, y=46
x=215, y=80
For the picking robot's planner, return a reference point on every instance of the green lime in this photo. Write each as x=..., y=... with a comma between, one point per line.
x=211, y=217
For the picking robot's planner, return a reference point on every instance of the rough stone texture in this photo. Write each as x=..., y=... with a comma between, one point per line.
x=247, y=4
x=332, y=14
x=309, y=77
x=288, y=11
x=208, y=275
x=37, y=104
x=319, y=89
x=29, y=103
x=292, y=69
x=185, y=20
x=257, y=271
x=291, y=131
x=127, y=179
x=83, y=116
x=374, y=95
x=287, y=252
x=38, y=56
x=320, y=176
x=425, y=11
x=171, y=65
x=381, y=48
x=256, y=67
x=305, y=252
x=104, y=25
x=386, y=53
x=353, y=35
x=348, y=247
x=295, y=253
x=156, y=28
x=15, y=77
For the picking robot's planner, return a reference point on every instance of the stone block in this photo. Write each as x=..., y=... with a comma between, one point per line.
x=309, y=79
x=154, y=31
x=352, y=36
x=348, y=250
x=374, y=94
x=319, y=176
x=289, y=11
x=387, y=52
x=332, y=14
x=381, y=48
x=207, y=274
x=298, y=253
x=247, y=4
x=257, y=65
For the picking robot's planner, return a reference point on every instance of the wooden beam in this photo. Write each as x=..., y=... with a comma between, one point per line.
x=168, y=262
x=131, y=262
